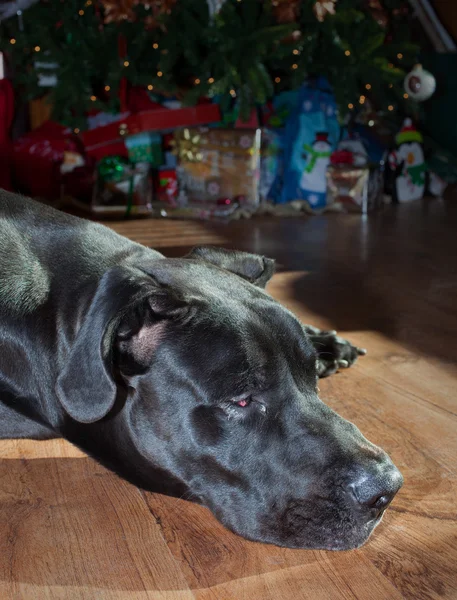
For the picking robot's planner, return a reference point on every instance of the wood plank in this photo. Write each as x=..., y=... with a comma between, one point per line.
x=221, y=565
x=70, y=530
x=70, y=525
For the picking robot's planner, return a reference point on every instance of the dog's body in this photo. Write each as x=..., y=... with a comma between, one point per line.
x=183, y=376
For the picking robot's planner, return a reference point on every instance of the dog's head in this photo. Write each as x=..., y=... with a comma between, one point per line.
x=223, y=399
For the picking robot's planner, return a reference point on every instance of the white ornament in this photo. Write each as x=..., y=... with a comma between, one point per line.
x=419, y=84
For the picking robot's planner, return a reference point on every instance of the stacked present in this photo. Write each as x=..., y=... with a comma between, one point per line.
x=173, y=161
x=217, y=172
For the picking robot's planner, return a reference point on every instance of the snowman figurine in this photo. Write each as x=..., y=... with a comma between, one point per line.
x=313, y=181
x=408, y=164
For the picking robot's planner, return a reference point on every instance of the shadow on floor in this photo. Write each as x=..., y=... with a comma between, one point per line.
x=394, y=272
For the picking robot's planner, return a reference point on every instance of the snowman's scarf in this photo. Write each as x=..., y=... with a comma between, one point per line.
x=314, y=156
x=417, y=174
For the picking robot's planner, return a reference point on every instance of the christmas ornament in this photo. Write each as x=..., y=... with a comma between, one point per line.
x=420, y=84
x=322, y=8
x=407, y=164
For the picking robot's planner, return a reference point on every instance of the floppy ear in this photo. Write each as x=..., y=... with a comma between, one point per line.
x=254, y=268
x=124, y=295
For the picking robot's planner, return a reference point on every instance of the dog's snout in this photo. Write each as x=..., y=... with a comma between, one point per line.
x=375, y=490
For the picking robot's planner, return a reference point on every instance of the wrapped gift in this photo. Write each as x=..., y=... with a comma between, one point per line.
x=115, y=187
x=218, y=164
x=311, y=134
x=39, y=156
x=356, y=189
x=145, y=147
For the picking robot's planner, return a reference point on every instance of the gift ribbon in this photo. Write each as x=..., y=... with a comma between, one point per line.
x=115, y=169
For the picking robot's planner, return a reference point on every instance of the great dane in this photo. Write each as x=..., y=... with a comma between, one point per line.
x=183, y=376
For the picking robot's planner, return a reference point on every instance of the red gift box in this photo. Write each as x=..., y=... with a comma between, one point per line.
x=37, y=157
x=107, y=140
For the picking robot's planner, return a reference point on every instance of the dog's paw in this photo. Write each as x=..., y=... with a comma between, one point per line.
x=334, y=352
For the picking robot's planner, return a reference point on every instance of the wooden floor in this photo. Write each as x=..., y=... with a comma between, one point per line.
x=69, y=529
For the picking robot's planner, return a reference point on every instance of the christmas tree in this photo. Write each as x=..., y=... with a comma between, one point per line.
x=84, y=52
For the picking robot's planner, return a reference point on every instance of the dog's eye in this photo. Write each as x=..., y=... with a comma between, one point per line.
x=243, y=402
x=243, y=407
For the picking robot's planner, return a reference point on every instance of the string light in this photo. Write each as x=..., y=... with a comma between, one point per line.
x=12, y=41
x=406, y=96
x=350, y=106
x=370, y=123
x=150, y=87
x=277, y=79
x=155, y=46
x=295, y=66
x=80, y=12
x=211, y=80
x=89, y=3
x=348, y=53
x=93, y=98
x=296, y=51
x=159, y=73
x=368, y=86
x=399, y=56
x=362, y=99
x=37, y=48
x=232, y=93
x=391, y=85
x=390, y=107
x=197, y=81
x=107, y=88
x=76, y=130
x=126, y=63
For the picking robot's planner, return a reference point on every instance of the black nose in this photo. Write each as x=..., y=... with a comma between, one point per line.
x=376, y=490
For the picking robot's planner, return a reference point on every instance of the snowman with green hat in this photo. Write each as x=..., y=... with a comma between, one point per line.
x=408, y=163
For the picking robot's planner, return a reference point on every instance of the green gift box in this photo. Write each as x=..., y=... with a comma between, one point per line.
x=145, y=147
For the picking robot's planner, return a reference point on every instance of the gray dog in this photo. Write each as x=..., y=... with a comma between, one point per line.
x=183, y=376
